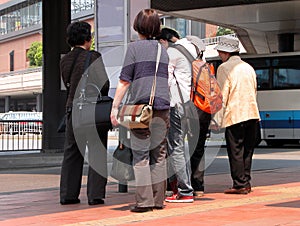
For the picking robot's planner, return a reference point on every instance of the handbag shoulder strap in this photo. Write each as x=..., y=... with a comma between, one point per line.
x=154, y=80
x=86, y=65
x=71, y=71
x=85, y=75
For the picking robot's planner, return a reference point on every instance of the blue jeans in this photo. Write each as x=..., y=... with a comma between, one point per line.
x=178, y=155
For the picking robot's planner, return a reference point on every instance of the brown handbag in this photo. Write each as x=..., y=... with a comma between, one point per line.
x=139, y=116
x=135, y=116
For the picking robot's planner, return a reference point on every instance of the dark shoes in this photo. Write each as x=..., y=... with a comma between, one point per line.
x=244, y=191
x=198, y=193
x=76, y=201
x=138, y=209
x=69, y=201
x=96, y=202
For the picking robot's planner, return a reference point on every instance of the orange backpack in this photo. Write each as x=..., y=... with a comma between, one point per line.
x=205, y=93
x=205, y=90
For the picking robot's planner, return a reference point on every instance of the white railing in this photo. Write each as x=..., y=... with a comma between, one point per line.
x=215, y=40
x=21, y=72
x=21, y=135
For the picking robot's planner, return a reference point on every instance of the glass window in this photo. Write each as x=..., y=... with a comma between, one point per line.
x=258, y=62
x=181, y=26
x=110, y=30
x=20, y=18
x=286, y=78
x=263, y=81
x=286, y=72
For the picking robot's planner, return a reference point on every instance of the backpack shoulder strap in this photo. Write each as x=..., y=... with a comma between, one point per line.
x=184, y=51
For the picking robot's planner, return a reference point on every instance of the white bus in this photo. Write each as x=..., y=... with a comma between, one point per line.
x=278, y=85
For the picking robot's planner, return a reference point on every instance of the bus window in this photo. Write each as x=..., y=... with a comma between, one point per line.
x=278, y=85
x=262, y=76
x=286, y=78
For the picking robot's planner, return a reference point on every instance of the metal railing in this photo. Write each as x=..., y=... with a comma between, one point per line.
x=215, y=40
x=21, y=72
x=77, y=6
x=21, y=135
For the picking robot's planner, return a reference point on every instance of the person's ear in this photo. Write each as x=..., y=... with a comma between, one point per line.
x=165, y=43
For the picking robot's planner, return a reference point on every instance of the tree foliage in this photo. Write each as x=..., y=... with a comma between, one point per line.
x=93, y=44
x=224, y=31
x=39, y=56
x=35, y=54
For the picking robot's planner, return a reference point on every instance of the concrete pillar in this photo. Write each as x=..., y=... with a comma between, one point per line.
x=39, y=102
x=198, y=29
x=15, y=105
x=56, y=17
x=7, y=104
x=286, y=42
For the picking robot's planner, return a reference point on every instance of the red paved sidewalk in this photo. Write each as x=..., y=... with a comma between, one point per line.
x=275, y=200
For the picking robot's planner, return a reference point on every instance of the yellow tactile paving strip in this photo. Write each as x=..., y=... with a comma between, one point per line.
x=264, y=194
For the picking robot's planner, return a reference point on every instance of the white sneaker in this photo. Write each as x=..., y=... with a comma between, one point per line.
x=178, y=198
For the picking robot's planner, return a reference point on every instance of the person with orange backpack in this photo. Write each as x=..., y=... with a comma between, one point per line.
x=185, y=119
x=206, y=96
x=179, y=85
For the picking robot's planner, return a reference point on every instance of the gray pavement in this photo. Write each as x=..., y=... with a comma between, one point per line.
x=30, y=196
x=29, y=193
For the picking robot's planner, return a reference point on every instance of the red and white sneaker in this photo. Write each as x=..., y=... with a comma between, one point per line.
x=180, y=198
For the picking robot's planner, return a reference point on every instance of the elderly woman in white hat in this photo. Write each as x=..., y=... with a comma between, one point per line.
x=239, y=115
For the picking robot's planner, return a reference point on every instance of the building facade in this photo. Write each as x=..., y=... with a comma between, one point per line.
x=21, y=25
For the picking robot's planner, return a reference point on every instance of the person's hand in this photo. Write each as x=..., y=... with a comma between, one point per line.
x=113, y=116
x=214, y=127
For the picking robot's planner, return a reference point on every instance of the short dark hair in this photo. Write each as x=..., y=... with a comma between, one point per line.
x=147, y=23
x=168, y=34
x=235, y=53
x=78, y=32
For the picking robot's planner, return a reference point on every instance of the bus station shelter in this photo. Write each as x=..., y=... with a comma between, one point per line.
x=263, y=26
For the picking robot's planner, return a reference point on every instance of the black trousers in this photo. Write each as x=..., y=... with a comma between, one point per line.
x=197, y=153
x=240, y=139
x=72, y=165
x=198, y=159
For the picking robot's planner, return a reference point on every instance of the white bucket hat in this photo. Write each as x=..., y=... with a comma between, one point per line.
x=228, y=44
x=196, y=41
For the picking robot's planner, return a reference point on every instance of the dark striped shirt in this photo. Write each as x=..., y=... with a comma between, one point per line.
x=139, y=69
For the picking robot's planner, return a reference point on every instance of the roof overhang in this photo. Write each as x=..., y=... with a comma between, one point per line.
x=257, y=23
